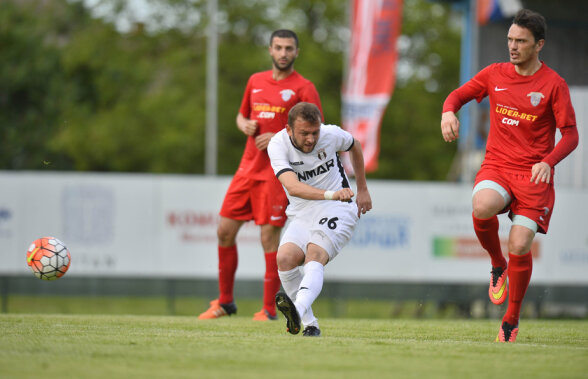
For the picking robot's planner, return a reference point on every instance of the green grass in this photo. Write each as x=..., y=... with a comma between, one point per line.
x=131, y=346
x=188, y=306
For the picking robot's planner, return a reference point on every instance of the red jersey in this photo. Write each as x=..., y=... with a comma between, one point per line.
x=268, y=101
x=524, y=112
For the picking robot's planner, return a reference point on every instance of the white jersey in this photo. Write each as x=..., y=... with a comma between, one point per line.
x=321, y=168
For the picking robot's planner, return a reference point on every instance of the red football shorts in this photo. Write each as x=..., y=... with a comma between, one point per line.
x=263, y=201
x=531, y=200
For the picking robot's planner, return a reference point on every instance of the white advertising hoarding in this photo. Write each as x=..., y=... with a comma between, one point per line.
x=165, y=226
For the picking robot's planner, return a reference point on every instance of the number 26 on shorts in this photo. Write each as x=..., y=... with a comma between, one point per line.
x=331, y=222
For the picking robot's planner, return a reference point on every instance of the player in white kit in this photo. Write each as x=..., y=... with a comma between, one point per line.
x=321, y=213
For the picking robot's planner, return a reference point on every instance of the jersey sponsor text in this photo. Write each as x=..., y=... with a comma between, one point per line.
x=268, y=108
x=268, y=115
x=322, y=169
x=515, y=113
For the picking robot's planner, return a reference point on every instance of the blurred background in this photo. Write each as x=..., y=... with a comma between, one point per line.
x=118, y=135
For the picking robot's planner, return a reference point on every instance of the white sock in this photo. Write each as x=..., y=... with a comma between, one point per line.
x=308, y=319
x=310, y=287
x=291, y=281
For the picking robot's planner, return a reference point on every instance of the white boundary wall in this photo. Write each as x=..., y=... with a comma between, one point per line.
x=165, y=226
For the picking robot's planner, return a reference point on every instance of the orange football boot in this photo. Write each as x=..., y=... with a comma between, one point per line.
x=507, y=333
x=217, y=310
x=264, y=315
x=498, y=285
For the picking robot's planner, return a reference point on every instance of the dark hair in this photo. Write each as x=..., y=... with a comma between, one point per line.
x=533, y=21
x=284, y=33
x=306, y=111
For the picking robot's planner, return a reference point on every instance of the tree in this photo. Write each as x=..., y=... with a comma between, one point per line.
x=142, y=101
x=428, y=69
x=245, y=34
x=31, y=86
x=103, y=90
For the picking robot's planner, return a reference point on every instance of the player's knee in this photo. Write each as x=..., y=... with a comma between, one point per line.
x=521, y=235
x=487, y=202
x=285, y=261
x=482, y=213
x=226, y=236
x=483, y=208
x=317, y=253
x=519, y=244
x=518, y=247
x=289, y=258
x=270, y=241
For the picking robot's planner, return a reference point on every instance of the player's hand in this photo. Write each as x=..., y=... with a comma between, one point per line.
x=449, y=126
x=262, y=140
x=344, y=194
x=540, y=173
x=364, y=202
x=248, y=127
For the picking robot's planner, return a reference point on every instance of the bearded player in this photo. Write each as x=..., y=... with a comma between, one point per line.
x=528, y=102
x=255, y=193
x=305, y=158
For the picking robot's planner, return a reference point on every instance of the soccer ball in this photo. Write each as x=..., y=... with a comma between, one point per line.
x=48, y=258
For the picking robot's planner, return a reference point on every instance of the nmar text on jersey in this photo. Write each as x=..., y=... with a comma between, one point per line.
x=325, y=167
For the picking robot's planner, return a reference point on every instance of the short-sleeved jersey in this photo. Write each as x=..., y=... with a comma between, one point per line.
x=268, y=101
x=524, y=112
x=321, y=168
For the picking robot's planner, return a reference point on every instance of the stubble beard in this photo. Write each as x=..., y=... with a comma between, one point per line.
x=285, y=68
x=302, y=147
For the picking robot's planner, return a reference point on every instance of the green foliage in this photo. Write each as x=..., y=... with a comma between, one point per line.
x=30, y=78
x=81, y=93
x=411, y=144
x=246, y=36
x=142, y=103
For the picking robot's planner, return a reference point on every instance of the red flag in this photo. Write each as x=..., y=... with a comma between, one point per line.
x=375, y=26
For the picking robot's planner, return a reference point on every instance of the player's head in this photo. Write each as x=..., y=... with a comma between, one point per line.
x=284, y=33
x=526, y=37
x=304, y=126
x=533, y=21
x=283, y=49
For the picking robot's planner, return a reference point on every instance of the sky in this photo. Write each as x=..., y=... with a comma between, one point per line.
x=153, y=14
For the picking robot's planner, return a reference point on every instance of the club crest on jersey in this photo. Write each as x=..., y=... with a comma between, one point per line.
x=287, y=94
x=322, y=154
x=535, y=98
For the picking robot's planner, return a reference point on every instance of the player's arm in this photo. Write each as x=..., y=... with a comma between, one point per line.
x=363, y=200
x=565, y=121
x=295, y=187
x=262, y=140
x=452, y=104
x=247, y=126
x=541, y=172
x=473, y=89
x=449, y=126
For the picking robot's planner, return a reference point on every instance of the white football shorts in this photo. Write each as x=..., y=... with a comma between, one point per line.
x=328, y=224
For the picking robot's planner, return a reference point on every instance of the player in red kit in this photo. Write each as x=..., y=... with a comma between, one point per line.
x=528, y=102
x=255, y=193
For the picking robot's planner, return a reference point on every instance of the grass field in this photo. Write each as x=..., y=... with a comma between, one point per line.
x=132, y=346
x=188, y=306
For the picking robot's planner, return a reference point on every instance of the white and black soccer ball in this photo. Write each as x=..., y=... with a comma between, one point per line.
x=48, y=258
